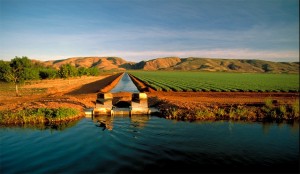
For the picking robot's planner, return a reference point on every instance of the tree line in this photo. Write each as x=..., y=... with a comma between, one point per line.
x=21, y=69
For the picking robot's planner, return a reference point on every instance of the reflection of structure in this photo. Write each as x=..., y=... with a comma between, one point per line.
x=104, y=121
x=139, y=120
x=137, y=105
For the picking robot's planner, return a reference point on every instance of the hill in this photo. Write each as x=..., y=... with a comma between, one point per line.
x=184, y=64
x=103, y=63
x=223, y=65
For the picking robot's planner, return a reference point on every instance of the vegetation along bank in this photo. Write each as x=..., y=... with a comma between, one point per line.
x=38, y=115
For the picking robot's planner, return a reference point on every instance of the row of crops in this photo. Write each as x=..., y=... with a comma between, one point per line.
x=217, y=81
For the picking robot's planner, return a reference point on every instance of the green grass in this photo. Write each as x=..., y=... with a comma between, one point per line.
x=218, y=81
x=40, y=115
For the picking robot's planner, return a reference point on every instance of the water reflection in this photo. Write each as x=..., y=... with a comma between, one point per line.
x=267, y=126
x=106, y=122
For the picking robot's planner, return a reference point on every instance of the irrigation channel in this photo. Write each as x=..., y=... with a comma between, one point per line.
x=150, y=144
x=125, y=84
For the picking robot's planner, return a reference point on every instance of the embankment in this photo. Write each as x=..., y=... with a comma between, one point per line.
x=142, y=87
x=111, y=82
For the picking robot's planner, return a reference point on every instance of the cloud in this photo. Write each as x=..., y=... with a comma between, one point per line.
x=137, y=43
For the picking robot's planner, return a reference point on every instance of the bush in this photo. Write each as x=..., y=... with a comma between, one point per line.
x=48, y=73
x=93, y=71
x=203, y=114
x=295, y=109
x=221, y=113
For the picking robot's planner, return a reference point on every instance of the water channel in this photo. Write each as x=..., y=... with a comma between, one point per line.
x=125, y=84
x=150, y=144
x=143, y=143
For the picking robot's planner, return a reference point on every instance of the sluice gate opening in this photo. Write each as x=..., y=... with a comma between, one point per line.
x=134, y=104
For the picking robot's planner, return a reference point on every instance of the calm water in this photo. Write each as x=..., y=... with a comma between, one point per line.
x=143, y=143
x=125, y=84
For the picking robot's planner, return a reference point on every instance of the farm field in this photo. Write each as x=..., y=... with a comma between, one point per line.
x=218, y=81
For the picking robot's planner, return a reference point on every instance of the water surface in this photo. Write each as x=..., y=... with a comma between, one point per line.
x=125, y=84
x=152, y=144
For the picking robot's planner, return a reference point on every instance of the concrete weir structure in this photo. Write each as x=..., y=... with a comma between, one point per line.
x=137, y=105
x=103, y=104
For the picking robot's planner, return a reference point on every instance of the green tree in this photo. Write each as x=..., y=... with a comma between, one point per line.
x=17, y=71
x=67, y=70
x=48, y=73
x=82, y=71
x=4, y=68
x=64, y=71
x=94, y=71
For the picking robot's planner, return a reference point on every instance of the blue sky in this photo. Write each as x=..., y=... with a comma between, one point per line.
x=145, y=29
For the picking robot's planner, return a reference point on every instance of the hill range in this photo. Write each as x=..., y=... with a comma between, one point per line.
x=184, y=64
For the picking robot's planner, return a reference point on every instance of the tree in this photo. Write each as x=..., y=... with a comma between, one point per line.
x=17, y=71
x=94, y=71
x=47, y=73
x=67, y=71
x=4, y=68
x=82, y=71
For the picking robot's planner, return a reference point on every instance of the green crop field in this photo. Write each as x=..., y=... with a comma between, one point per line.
x=218, y=81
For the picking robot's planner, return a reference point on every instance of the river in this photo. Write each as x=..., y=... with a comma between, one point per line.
x=149, y=143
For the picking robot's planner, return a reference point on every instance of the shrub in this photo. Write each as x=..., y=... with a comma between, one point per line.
x=203, y=114
x=221, y=113
x=48, y=73
x=282, y=112
x=295, y=109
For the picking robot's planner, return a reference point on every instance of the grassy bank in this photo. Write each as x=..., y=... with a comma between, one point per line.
x=40, y=115
x=270, y=111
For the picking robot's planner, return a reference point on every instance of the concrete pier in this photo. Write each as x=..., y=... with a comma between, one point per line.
x=103, y=104
x=138, y=105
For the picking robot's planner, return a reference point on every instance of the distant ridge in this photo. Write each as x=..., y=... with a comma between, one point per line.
x=104, y=63
x=184, y=64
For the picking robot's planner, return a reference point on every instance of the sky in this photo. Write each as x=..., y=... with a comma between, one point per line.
x=146, y=29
